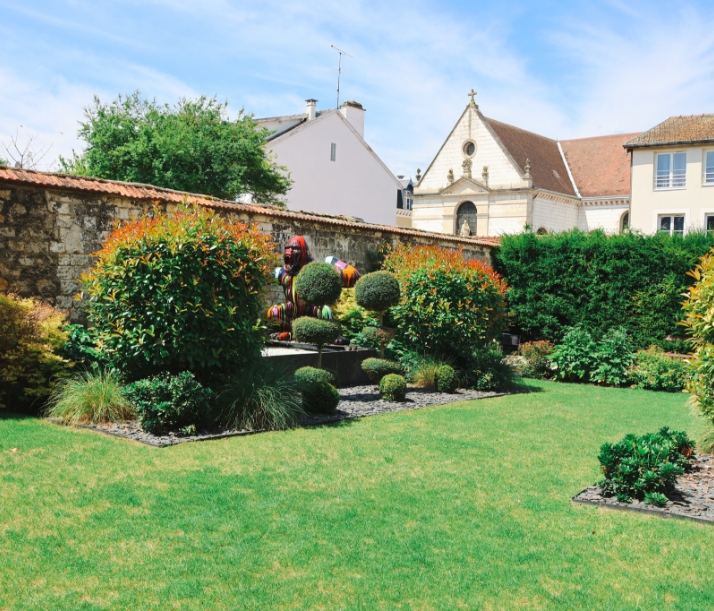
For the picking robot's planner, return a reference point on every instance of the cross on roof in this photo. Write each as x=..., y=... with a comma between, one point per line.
x=471, y=94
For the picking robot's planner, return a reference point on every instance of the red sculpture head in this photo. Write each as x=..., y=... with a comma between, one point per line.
x=296, y=254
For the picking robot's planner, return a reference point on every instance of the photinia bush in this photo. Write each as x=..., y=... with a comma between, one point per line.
x=180, y=292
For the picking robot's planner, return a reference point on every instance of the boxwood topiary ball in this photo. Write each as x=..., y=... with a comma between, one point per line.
x=308, y=375
x=315, y=330
x=393, y=387
x=446, y=379
x=376, y=369
x=377, y=291
x=319, y=283
x=318, y=394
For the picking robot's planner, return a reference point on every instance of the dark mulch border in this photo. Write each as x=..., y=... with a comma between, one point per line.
x=356, y=402
x=693, y=497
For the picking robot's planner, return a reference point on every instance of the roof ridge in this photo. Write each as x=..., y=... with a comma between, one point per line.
x=521, y=129
x=603, y=136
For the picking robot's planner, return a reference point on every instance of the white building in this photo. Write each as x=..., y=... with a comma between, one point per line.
x=673, y=176
x=491, y=178
x=334, y=171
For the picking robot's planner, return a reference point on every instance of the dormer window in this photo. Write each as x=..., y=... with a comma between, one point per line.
x=671, y=171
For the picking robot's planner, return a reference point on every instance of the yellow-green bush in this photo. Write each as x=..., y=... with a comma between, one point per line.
x=30, y=334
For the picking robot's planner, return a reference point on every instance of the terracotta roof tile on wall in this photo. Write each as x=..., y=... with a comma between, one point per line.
x=677, y=130
x=547, y=167
x=150, y=193
x=600, y=166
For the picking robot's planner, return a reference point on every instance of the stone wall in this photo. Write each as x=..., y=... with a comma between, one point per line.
x=47, y=236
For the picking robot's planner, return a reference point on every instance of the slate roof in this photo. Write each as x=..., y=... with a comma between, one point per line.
x=548, y=170
x=600, y=165
x=137, y=191
x=676, y=130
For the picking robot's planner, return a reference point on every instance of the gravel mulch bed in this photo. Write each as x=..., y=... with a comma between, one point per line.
x=692, y=499
x=356, y=402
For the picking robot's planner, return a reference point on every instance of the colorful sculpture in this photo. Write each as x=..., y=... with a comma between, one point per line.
x=295, y=257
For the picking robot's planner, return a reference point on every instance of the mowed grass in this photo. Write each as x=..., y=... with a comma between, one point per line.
x=465, y=506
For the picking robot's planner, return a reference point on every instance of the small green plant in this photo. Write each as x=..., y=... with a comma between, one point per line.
x=315, y=331
x=319, y=284
x=318, y=393
x=423, y=372
x=652, y=369
x=656, y=498
x=393, y=387
x=166, y=403
x=260, y=397
x=446, y=379
x=537, y=358
x=90, y=397
x=376, y=369
x=486, y=369
x=648, y=464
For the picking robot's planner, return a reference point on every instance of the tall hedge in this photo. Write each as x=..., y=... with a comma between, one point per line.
x=598, y=282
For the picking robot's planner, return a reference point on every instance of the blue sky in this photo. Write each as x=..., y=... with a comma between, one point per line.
x=563, y=69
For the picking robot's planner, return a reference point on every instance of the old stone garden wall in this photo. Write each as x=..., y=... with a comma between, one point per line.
x=48, y=232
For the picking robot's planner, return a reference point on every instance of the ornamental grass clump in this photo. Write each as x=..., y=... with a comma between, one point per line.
x=180, y=291
x=645, y=467
x=90, y=397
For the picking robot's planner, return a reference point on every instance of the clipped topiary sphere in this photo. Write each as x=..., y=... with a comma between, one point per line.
x=446, y=379
x=376, y=369
x=393, y=387
x=319, y=283
x=377, y=291
x=315, y=331
x=318, y=394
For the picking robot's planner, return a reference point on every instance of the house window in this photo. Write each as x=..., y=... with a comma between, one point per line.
x=709, y=222
x=624, y=222
x=333, y=151
x=709, y=167
x=671, y=224
x=671, y=171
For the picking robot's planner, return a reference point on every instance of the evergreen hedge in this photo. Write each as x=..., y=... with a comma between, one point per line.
x=598, y=282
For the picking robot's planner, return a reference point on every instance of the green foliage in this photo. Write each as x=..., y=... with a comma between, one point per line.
x=422, y=371
x=376, y=369
x=446, y=379
x=31, y=335
x=377, y=291
x=90, y=397
x=485, y=369
x=180, y=291
x=574, y=358
x=82, y=347
x=315, y=331
x=652, y=369
x=598, y=282
x=537, y=358
x=637, y=466
x=167, y=403
x=193, y=146
x=318, y=393
x=351, y=317
x=613, y=358
x=393, y=387
x=319, y=283
x=260, y=397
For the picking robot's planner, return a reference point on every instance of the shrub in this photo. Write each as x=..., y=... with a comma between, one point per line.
x=315, y=331
x=449, y=305
x=90, y=397
x=376, y=369
x=598, y=282
x=318, y=283
x=485, y=369
x=613, y=358
x=30, y=335
x=574, y=358
x=351, y=317
x=640, y=466
x=180, y=291
x=318, y=393
x=536, y=356
x=262, y=396
x=652, y=369
x=167, y=403
x=82, y=348
x=393, y=387
x=446, y=379
x=377, y=291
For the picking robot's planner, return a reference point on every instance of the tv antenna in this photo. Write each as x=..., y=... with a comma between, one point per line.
x=339, y=70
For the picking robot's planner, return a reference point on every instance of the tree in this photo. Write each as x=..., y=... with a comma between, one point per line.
x=193, y=146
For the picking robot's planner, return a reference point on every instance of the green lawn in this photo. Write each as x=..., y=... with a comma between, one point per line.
x=465, y=506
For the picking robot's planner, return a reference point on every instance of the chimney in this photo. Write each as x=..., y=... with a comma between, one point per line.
x=354, y=113
x=311, y=109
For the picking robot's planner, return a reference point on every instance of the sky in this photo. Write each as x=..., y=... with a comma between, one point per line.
x=564, y=69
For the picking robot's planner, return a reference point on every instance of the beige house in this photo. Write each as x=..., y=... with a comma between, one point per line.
x=491, y=178
x=673, y=176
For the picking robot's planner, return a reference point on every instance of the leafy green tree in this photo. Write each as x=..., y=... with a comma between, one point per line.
x=193, y=146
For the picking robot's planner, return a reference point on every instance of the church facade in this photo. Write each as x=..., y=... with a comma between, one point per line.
x=490, y=178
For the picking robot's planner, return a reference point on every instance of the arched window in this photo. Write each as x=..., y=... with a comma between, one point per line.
x=624, y=222
x=466, y=213
x=542, y=231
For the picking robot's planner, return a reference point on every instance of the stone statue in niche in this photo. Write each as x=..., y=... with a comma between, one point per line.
x=295, y=256
x=465, y=230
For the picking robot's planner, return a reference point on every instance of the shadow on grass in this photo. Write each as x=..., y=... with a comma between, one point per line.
x=523, y=385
